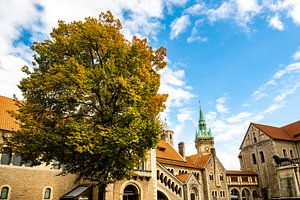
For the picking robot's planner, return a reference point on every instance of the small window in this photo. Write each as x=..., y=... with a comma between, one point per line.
x=47, y=193
x=211, y=176
x=221, y=177
x=254, y=138
x=262, y=157
x=284, y=152
x=253, y=158
x=214, y=193
x=17, y=160
x=291, y=154
x=6, y=156
x=4, y=193
x=171, y=136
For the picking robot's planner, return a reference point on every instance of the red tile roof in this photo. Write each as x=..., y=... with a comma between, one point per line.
x=7, y=122
x=166, y=154
x=183, y=177
x=289, y=132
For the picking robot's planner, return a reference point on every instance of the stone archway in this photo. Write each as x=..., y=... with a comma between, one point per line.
x=161, y=196
x=246, y=195
x=234, y=194
x=255, y=195
x=194, y=194
x=131, y=193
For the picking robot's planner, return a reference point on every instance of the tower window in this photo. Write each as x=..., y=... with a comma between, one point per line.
x=211, y=176
x=291, y=153
x=254, y=138
x=262, y=157
x=253, y=158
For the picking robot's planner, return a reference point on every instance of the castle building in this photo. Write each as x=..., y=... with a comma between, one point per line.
x=165, y=175
x=274, y=154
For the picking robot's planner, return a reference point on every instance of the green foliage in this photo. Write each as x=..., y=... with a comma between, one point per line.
x=91, y=101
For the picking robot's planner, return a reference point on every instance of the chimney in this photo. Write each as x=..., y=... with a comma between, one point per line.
x=181, y=149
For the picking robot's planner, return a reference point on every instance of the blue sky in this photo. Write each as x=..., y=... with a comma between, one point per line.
x=240, y=58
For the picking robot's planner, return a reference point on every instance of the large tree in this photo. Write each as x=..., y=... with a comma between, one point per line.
x=91, y=101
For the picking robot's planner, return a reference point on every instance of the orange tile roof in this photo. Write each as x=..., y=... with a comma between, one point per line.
x=166, y=154
x=240, y=172
x=166, y=151
x=289, y=132
x=183, y=177
x=7, y=122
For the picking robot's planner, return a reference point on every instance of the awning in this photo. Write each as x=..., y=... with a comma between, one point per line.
x=80, y=192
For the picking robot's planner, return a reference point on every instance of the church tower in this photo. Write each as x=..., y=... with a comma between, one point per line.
x=204, y=141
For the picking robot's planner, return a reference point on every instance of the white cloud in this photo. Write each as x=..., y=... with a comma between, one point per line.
x=179, y=25
x=223, y=12
x=195, y=9
x=220, y=106
x=276, y=23
x=296, y=55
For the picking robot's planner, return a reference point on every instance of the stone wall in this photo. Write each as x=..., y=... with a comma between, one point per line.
x=29, y=183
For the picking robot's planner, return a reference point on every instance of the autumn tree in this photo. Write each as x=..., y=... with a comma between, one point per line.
x=90, y=101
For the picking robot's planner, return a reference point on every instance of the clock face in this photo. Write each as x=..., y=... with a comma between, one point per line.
x=206, y=148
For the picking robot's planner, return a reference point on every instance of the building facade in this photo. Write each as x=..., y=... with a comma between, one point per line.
x=274, y=154
x=165, y=175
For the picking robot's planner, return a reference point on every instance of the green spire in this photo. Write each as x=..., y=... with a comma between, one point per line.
x=202, y=130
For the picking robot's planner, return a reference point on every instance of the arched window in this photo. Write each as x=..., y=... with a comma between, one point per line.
x=130, y=193
x=245, y=194
x=47, y=193
x=291, y=154
x=161, y=196
x=262, y=157
x=234, y=194
x=253, y=158
x=6, y=156
x=221, y=177
x=4, y=192
x=17, y=160
x=211, y=176
x=284, y=152
x=194, y=194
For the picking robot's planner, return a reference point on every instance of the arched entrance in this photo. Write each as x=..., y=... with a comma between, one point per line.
x=194, y=194
x=234, y=194
x=161, y=196
x=245, y=194
x=131, y=193
x=255, y=195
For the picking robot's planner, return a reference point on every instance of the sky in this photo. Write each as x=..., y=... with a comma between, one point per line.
x=239, y=58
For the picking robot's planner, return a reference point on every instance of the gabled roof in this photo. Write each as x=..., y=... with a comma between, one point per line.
x=7, y=122
x=183, y=177
x=289, y=132
x=198, y=161
x=166, y=154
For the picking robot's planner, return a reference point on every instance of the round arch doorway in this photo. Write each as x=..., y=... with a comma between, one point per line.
x=161, y=196
x=131, y=193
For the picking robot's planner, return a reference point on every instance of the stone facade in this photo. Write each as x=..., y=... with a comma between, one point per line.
x=260, y=144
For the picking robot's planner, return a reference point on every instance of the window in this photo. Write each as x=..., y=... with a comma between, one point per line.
x=284, y=152
x=222, y=193
x=291, y=153
x=221, y=177
x=6, y=156
x=4, y=193
x=254, y=138
x=262, y=157
x=130, y=193
x=47, y=193
x=253, y=158
x=17, y=160
x=214, y=193
x=211, y=176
